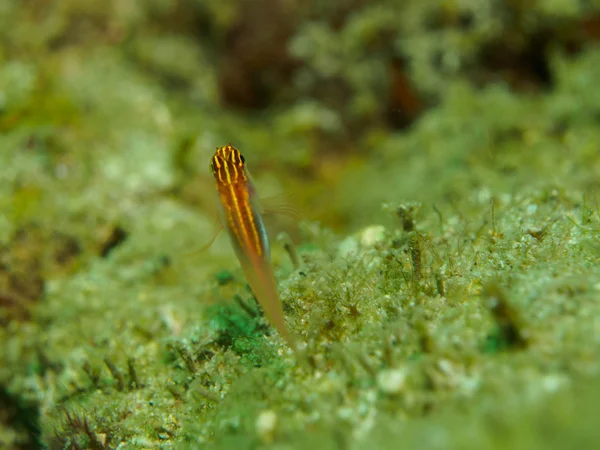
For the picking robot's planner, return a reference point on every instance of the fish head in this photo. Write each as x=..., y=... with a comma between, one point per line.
x=228, y=165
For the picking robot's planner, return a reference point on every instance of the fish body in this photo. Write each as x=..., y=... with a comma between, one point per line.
x=241, y=217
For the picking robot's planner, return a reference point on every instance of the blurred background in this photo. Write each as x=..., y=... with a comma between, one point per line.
x=319, y=95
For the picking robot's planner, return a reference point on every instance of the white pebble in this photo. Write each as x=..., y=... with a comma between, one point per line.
x=372, y=235
x=391, y=381
x=266, y=422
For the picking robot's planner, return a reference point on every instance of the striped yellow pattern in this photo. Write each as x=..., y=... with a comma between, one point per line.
x=233, y=185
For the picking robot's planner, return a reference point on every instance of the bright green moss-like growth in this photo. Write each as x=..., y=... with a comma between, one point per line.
x=457, y=296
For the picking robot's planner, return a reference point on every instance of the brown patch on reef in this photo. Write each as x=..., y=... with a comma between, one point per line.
x=255, y=67
x=520, y=61
x=21, y=280
x=256, y=61
x=520, y=58
x=110, y=238
x=591, y=27
x=404, y=103
x=31, y=254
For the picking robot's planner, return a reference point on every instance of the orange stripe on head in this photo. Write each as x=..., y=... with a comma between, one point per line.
x=227, y=165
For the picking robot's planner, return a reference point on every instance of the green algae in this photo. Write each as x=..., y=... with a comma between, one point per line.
x=142, y=347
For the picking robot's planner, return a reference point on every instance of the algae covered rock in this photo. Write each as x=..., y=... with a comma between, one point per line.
x=444, y=160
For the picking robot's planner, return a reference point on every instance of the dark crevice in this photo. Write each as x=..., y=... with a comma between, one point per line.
x=23, y=418
x=524, y=66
